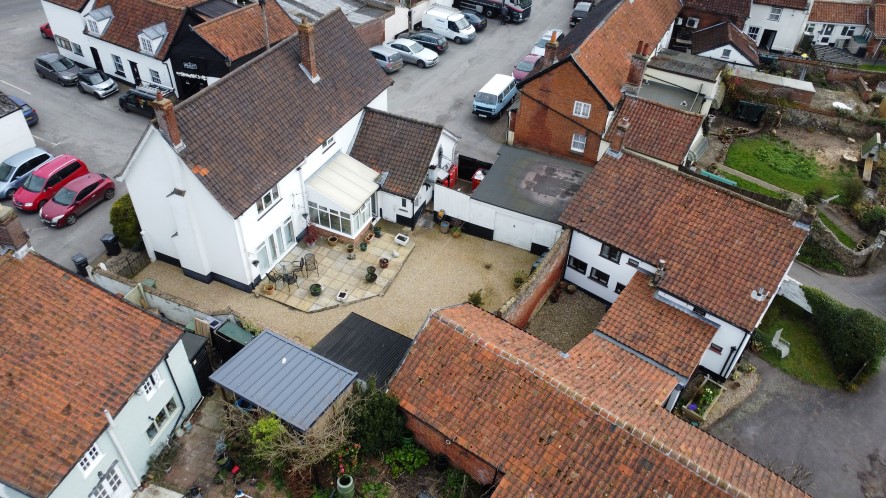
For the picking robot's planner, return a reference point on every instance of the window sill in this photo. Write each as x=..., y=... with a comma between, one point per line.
x=120, y=74
x=576, y=269
x=604, y=284
x=268, y=209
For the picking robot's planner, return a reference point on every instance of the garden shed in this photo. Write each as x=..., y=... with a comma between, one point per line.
x=286, y=379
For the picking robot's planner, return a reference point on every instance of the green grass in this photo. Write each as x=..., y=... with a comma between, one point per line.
x=753, y=187
x=841, y=235
x=872, y=67
x=780, y=164
x=808, y=360
x=816, y=256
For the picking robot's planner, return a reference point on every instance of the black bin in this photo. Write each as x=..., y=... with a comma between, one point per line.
x=112, y=246
x=80, y=262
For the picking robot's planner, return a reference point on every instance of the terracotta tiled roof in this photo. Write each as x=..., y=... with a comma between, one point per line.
x=656, y=329
x=837, y=12
x=879, y=20
x=721, y=35
x=403, y=147
x=132, y=16
x=787, y=4
x=70, y=4
x=241, y=32
x=718, y=246
x=68, y=353
x=507, y=398
x=603, y=43
x=733, y=8
x=255, y=125
x=647, y=119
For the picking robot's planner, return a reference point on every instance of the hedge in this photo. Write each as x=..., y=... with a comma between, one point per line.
x=125, y=222
x=855, y=338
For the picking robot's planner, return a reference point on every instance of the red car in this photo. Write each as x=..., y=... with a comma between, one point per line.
x=46, y=31
x=76, y=198
x=46, y=180
x=524, y=66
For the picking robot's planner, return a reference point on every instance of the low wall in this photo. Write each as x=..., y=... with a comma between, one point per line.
x=765, y=89
x=817, y=70
x=853, y=261
x=830, y=122
x=532, y=294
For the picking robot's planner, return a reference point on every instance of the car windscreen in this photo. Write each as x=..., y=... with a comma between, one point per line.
x=486, y=98
x=544, y=41
x=34, y=183
x=93, y=78
x=462, y=24
x=5, y=172
x=65, y=197
x=525, y=65
x=61, y=64
x=524, y=3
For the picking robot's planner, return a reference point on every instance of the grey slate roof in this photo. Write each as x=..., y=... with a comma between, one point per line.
x=695, y=66
x=530, y=183
x=245, y=132
x=284, y=378
x=7, y=106
x=402, y=147
x=366, y=347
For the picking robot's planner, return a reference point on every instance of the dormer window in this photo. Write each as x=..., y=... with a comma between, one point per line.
x=92, y=26
x=97, y=20
x=150, y=39
x=145, y=44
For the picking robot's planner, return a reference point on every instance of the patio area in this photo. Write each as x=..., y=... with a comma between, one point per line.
x=342, y=279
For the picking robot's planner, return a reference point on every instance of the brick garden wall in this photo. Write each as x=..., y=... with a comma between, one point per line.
x=373, y=32
x=829, y=122
x=816, y=70
x=460, y=458
x=769, y=90
x=532, y=294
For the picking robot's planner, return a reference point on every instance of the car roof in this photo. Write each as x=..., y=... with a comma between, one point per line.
x=82, y=181
x=583, y=7
x=25, y=155
x=49, y=56
x=90, y=70
x=55, y=164
x=17, y=101
x=382, y=49
x=497, y=84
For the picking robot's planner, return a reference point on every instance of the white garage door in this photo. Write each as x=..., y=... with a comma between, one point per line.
x=513, y=231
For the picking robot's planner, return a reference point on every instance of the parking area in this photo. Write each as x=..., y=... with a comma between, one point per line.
x=98, y=132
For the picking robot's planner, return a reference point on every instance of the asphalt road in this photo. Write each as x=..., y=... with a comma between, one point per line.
x=443, y=94
x=98, y=132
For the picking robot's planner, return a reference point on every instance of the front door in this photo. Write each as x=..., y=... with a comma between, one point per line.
x=767, y=39
x=135, y=76
x=96, y=58
x=112, y=485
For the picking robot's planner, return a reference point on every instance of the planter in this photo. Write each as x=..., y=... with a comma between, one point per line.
x=369, y=237
x=401, y=239
x=370, y=269
x=371, y=277
x=696, y=410
x=444, y=227
x=363, y=246
x=268, y=288
x=344, y=485
x=441, y=463
x=377, y=231
x=383, y=262
x=350, y=247
x=316, y=289
x=571, y=288
x=332, y=241
x=456, y=232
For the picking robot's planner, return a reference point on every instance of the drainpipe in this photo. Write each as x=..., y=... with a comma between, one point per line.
x=732, y=351
x=137, y=481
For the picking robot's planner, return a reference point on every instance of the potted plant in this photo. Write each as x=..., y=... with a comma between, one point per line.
x=316, y=289
x=456, y=232
x=369, y=236
x=363, y=246
x=332, y=240
x=350, y=247
x=311, y=235
x=383, y=262
x=371, y=276
x=268, y=288
x=376, y=230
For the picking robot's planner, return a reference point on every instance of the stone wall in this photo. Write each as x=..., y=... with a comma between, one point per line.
x=532, y=294
x=816, y=120
x=853, y=261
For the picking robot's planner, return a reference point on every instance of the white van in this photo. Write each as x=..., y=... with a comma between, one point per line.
x=450, y=23
x=496, y=94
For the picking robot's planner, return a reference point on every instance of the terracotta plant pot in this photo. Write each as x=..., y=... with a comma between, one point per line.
x=369, y=236
x=268, y=289
x=571, y=288
x=350, y=247
x=383, y=262
x=332, y=240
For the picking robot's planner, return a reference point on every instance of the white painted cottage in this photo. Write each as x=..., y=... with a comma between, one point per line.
x=725, y=42
x=15, y=135
x=777, y=24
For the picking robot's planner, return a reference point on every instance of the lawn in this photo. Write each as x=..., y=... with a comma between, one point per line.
x=841, y=235
x=872, y=67
x=753, y=187
x=807, y=360
x=781, y=164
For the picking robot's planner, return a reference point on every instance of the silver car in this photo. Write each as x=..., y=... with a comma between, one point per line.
x=16, y=169
x=57, y=68
x=413, y=52
x=97, y=83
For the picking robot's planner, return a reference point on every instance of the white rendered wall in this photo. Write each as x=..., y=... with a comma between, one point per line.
x=588, y=249
x=789, y=28
x=15, y=136
x=734, y=57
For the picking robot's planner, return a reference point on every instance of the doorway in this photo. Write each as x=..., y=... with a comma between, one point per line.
x=135, y=76
x=767, y=39
x=96, y=59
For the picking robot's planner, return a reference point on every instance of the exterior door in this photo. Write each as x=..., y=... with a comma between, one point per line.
x=112, y=485
x=135, y=76
x=767, y=39
x=96, y=59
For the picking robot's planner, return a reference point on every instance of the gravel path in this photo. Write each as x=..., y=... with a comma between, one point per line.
x=564, y=323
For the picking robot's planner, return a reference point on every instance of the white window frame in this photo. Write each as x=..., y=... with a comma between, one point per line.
x=579, y=143
x=145, y=43
x=152, y=384
x=155, y=76
x=692, y=22
x=581, y=109
x=329, y=142
x=775, y=14
x=167, y=415
x=109, y=485
x=76, y=49
x=577, y=264
x=92, y=26
x=754, y=32
x=810, y=28
x=63, y=42
x=727, y=53
x=595, y=276
x=118, y=65
x=276, y=245
x=268, y=200
x=90, y=459
x=317, y=213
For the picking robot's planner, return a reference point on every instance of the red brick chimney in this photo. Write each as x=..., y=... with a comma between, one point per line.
x=638, y=67
x=618, y=136
x=550, y=56
x=12, y=234
x=306, y=46
x=166, y=122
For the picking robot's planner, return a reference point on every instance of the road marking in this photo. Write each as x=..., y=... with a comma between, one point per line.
x=54, y=144
x=17, y=88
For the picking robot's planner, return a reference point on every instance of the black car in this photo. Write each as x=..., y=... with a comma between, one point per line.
x=138, y=100
x=428, y=39
x=478, y=21
x=580, y=12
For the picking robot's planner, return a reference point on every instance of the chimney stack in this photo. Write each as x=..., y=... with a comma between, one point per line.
x=550, y=56
x=12, y=234
x=166, y=122
x=306, y=46
x=638, y=67
x=618, y=137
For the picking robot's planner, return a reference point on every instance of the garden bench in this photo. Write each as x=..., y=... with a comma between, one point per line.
x=783, y=346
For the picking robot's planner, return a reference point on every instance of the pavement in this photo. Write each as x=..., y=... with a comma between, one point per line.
x=866, y=292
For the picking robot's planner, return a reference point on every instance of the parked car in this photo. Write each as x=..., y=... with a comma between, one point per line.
x=387, y=58
x=16, y=169
x=58, y=68
x=75, y=198
x=46, y=31
x=96, y=83
x=138, y=100
x=580, y=12
x=478, y=21
x=539, y=48
x=427, y=39
x=524, y=66
x=46, y=180
x=413, y=53
x=30, y=113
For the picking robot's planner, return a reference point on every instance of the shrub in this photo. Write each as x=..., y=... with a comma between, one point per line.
x=266, y=435
x=851, y=190
x=125, y=222
x=375, y=490
x=519, y=278
x=871, y=218
x=406, y=459
x=455, y=483
x=856, y=339
x=813, y=254
x=814, y=196
x=476, y=298
x=378, y=424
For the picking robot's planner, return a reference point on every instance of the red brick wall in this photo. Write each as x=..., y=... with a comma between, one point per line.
x=545, y=122
x=373, y=32
x=460, y=458
x=764, y=89
x=531, y=296
x=325, y=234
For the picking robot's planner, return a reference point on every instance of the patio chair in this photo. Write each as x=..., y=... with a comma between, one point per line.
x=298, y=266
x=783, y=346
x=275, y=278
x=309, y=264
x=291, y=278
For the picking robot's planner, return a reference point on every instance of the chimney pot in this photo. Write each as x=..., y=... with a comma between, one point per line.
x=638, y=66
x=550, y=56
x=306, y=48
x=166, y=121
